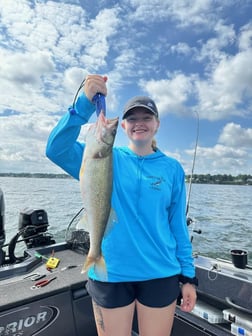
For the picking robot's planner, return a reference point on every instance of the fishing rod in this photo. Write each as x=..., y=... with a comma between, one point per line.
x=193, y=164
x=189, y=220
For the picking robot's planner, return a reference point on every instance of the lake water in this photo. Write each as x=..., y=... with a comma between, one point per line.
x=222, y=213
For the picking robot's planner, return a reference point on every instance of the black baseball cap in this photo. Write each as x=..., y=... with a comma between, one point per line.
x=140, y=101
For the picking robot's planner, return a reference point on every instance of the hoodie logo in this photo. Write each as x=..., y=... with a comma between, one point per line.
x=156, y=182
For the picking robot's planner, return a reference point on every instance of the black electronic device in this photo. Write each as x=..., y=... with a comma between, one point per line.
x=33, y=224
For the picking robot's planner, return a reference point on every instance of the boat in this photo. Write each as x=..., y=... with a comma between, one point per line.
x=43, y=292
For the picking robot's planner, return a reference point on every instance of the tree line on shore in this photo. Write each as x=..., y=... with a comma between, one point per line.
x=220, y=179
x=242, y=179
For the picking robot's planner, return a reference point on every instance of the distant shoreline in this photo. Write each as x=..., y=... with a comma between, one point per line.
x=196, y=178
x=36, y=175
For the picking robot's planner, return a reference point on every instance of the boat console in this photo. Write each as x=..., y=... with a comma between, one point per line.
x=61, y=307
x=31, y=303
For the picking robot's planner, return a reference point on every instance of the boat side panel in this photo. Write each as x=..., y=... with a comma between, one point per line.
x=45, y=316
x=225, y=287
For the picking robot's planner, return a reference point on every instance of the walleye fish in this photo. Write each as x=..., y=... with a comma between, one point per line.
x=96, y=185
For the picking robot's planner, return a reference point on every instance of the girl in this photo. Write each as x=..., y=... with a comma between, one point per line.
x=148, y=252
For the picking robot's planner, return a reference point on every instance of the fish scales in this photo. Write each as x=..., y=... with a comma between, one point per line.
x=96, y=180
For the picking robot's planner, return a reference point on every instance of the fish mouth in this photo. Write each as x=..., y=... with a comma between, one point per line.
x=106, y=129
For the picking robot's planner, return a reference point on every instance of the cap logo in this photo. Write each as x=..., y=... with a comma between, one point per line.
x=150, y=104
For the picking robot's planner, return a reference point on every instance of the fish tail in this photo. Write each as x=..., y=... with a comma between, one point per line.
x=99, y=267
x=90, y=261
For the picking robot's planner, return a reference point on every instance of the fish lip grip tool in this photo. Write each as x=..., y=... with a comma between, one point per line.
x=100, y=103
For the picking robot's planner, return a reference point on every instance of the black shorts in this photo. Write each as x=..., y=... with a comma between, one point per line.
x=152, y=293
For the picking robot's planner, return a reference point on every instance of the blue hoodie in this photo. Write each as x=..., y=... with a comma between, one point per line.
x=150, y=237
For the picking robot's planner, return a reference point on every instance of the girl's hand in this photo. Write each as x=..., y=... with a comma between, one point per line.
x=189, y=297
x=95, y=84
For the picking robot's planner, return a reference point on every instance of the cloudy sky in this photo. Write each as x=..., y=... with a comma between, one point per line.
x=194, y=58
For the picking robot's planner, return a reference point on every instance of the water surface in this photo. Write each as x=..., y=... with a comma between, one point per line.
x=222, y=212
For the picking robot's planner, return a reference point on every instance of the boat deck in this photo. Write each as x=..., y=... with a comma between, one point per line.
x=45, y=310
x=21, y=284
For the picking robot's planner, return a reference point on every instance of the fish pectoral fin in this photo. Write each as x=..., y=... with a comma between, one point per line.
x=112, y=220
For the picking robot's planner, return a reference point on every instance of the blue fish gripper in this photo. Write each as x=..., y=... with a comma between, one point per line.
x=100, y=103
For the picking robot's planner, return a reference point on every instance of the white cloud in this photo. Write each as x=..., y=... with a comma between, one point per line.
x=182, y=48
x=171, y=95
x=25, y=68
x=220, y=151
x=245, y=40
x=187, y=55
x=235, y=136
x=221, y=93
x=232, y=153
x=47, y=41
x=23, y=141
x=230, y=82
x=213, y=50
x=73, y=77
x=184, y=12
x=221, y=159
x=228, y=77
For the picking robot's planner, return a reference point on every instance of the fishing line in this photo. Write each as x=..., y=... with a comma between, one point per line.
x=71, y=222
x=72, y=108
x=193, y=165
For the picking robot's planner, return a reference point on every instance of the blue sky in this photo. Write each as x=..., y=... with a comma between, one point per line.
x=192, y=57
